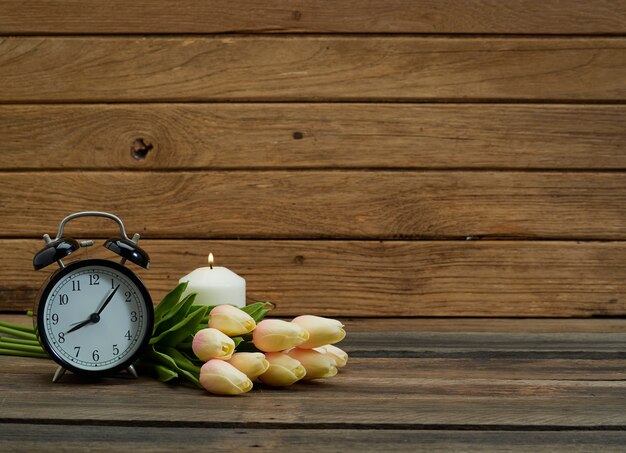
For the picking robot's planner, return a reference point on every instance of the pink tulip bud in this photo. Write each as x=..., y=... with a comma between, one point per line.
x=283, y=370
x=231, y=320
x=316, y=364
x=252, y=364
x=338, y=355
x=222, y=378
x=273, y=335
x=322, y=331
x=212, y=344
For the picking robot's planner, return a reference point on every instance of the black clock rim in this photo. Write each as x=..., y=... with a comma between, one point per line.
x=45, y=292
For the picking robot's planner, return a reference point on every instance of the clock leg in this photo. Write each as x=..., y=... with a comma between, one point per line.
x=131, y=370
x=58, y=374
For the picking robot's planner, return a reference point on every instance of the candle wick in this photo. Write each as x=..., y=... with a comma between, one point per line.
x=211, y=265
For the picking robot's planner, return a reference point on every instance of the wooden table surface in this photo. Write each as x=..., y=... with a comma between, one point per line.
x=410, y=385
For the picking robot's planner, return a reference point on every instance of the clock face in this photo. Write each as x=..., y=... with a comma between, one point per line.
x=95, y=316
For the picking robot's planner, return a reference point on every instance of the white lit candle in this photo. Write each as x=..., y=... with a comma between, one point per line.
x=215, y=286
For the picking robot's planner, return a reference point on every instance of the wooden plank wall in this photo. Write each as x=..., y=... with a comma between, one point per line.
x=348, y=158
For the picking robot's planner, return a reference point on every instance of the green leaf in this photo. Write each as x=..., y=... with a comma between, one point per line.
x=169, y=301
x=180, y=331
x=175, y=315
x=185, y=366
x=258, y=310
x=159, y=365
x=173, y=360
x=164, y=374
x=208, y=307
x=158, y=357
x=188, y=354
x=174, y=365
x=160, y=372
x=247, y=346
x=237, y=341
x=182, y=361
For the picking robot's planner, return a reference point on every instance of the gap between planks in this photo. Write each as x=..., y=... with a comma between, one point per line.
x=347, y=169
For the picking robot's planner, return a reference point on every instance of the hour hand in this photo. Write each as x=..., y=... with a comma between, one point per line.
x=79, y=325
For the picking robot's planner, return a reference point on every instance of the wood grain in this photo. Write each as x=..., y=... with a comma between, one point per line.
x=70, y=438
x=343, y=16
x=479, y=367
x=314, y=167
x=474, y=403
x=34, y=69
x=470, y=345
x=322, y=204
x=517, y=372
x=366, y=401
x=383, y=279
x=510, y=325
x=270, y=136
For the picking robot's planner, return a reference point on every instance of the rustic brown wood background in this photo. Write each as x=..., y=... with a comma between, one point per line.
x=348, y=158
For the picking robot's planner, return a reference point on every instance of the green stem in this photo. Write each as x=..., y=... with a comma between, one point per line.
x=15, y=326
x=21, y=347
x=17, y=333
x=19, y=341
x=23, y=354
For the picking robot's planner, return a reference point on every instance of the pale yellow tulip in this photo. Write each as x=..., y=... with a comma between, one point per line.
x=322, y=331
x=231, y=320
x=316, y=364
x=273, y=335
x=212, y=344
x=338, y=355
x=252, y=364
x=221, y=378
x=283, y=370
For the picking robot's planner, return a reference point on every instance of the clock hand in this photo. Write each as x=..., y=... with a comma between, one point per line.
x=94, y=317
x=108, y=299
x=79, y=325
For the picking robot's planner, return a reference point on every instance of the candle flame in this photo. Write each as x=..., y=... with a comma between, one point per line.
x=211, y=260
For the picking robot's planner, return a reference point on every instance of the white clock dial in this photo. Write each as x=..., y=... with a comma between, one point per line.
x=95, y=317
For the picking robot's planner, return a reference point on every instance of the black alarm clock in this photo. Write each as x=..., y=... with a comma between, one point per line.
x=94, y=316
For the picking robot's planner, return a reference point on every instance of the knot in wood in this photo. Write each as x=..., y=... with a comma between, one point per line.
x=140, y=149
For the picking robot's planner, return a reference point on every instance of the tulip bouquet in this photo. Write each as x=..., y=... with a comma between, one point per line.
x=222, y=348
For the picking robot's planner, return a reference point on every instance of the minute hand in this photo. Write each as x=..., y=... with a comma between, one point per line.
x=108, y=299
